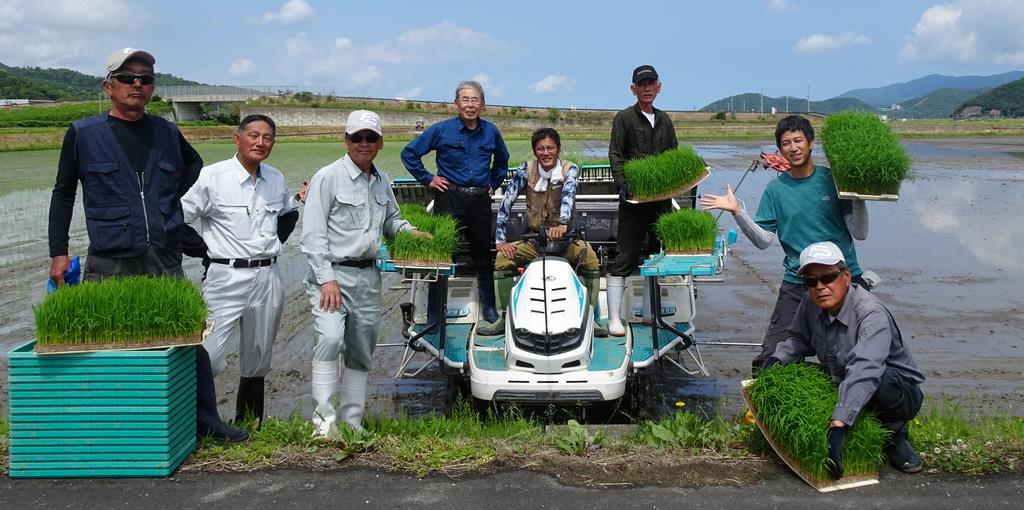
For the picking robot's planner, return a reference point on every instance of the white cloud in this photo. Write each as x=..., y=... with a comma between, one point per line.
x=242, y=67
x=778, y=6
x=491, y=88
x=551, y=83
x=350, y=65
x=411, y=93
x=292, y=12
x=818, y=43
x=968, y=31
x=56, y=33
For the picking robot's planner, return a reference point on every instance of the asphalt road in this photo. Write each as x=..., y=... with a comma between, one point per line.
x=356, y=488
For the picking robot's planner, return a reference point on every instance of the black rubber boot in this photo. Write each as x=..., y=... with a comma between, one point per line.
x=249, y=402
x=485, y=289
x=208, y=422
x=898, y=450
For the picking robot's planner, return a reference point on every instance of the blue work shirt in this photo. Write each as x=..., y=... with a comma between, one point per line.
x=465, y=157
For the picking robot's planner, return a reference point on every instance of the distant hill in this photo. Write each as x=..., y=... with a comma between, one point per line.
x=937, y=105
x=752, y=102
x=1008, y=98
x=899, y=93
x=60, y=84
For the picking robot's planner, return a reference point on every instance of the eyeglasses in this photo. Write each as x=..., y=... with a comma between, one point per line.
x=370, y=137
x=811, y=282
x=129, y=78
x=546, y=148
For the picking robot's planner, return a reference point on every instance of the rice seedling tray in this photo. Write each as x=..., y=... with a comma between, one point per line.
x=674, y=193
x=137, y=345
x=676, y=264
x=866, y=159
x=846, y=482
x=109, y=414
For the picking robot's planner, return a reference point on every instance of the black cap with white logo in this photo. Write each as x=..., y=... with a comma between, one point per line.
x=644, y=72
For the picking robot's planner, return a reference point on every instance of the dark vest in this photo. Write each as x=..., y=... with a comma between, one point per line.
x=125, y=212
x=543, y=208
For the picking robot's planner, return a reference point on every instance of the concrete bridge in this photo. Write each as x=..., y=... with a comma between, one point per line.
x=186, y=98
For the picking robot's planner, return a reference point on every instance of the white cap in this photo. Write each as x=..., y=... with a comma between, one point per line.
x=824, y=253
x=117, y=58
x=363, y=119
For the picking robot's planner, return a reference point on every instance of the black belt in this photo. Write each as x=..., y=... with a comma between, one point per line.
x=471, y=190
x=245, y=263
x=361, y=264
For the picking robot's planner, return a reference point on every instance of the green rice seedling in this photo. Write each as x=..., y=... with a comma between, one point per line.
x=664, y=174
x=795, y=404
x=120, y=311
x=687, y=231
x=864, y=154
x=440, y=248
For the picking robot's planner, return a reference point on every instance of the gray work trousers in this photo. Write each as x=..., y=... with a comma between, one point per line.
x=351, y=330
x=251, y=299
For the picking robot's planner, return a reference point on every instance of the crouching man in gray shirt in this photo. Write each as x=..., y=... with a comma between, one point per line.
x=860, y=347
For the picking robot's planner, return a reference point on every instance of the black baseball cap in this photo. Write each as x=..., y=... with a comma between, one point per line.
x=644, y=72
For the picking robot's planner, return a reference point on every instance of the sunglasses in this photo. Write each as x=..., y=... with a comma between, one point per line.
x=129, y=78
x=370, y=137
x=811, y=282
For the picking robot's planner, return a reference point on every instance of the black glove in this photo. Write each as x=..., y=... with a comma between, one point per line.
x=836, y=436
x=624, y=191
x=770, y=362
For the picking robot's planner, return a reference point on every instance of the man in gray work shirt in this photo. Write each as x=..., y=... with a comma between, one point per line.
x=349, y=208
x=860, y=347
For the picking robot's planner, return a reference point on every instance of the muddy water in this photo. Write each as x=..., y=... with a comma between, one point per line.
x=948, y=253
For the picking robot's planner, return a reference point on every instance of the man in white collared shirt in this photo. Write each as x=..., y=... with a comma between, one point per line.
x=246, y=214
x=350, y=207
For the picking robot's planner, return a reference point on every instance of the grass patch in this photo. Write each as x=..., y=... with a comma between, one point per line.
x=663, y=173
x=795, y=403
x=949, y=442
x=120, y=310
x=687, y=430
x=687, y=231
x=575, y=439
x=864, y=154
x=440, y=248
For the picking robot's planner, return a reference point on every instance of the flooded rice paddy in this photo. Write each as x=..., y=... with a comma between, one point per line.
x=949, y=253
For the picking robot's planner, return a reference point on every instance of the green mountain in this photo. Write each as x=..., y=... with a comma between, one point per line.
x=936, y=105
x=1009, y=99
x=60, y=84
x=899, y=93
x=751, y=102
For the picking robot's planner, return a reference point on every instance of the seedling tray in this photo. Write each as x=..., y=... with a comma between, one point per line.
x=101, y=414
x=139, y=345
x=674, y=193
x=846, y=482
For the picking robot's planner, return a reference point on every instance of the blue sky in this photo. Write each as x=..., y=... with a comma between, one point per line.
x=554, y=53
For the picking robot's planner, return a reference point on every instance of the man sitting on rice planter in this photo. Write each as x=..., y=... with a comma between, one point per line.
x=550, y=187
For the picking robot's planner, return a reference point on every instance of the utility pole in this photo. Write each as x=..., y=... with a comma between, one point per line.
x=762, y=101
x=787, y=103
x=808, y=99
x=744, y=102
x=731, y=98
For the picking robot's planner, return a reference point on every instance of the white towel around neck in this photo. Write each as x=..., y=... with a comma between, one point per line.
x=555, y=176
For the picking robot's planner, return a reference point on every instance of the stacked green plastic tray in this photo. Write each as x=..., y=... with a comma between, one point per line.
x=112, y=413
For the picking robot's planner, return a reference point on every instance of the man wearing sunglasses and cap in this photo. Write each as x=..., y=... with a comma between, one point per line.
x=638, y=131
x=134, y=169
x=349, y=207
x=860, y=347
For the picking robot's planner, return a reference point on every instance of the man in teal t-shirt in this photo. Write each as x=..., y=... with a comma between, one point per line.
x=801, y=208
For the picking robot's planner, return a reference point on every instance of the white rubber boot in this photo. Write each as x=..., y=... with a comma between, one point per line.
x=325, y=384
x=353, y=397
x=615, y=285
x=647, y=303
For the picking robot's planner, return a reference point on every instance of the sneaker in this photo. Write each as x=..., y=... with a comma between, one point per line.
x=495, y=328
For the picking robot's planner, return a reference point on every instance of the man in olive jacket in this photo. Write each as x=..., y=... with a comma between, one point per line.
x=638, y=131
